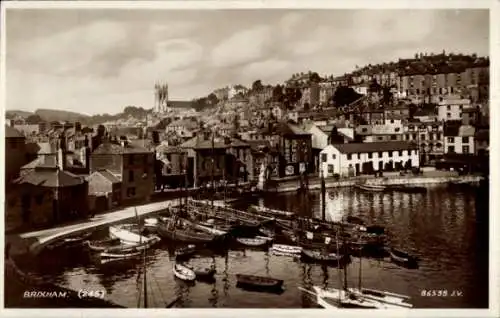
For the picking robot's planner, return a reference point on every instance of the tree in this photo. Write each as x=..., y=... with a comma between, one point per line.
x=387, y=96
x=212, y=99
x=344, y=96
x=314, y=77
x=278, y=93
x=257, y=86
x=34, y=119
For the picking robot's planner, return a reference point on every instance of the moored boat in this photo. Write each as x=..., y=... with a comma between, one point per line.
x=183, y=272
x=185, y=251
x=288, y=249
x=252, y=241
x=371, y=187
x=183, y=233
x=346, y=299
x=255, y=281
x=203, y=272
x=403, y=258
x=129, y=234
x=102, y=245
x=392, y=300
x=271, y=212
x=322, y=256
x=118, y=255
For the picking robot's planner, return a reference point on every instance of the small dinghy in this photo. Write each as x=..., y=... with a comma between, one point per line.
x=185, y=251
x=252, y=241
x=371, y=187
x=286, y=249
x=403, y=258
x=260, y=282
x=202, y=272
x=183, y=272
x=103, y=245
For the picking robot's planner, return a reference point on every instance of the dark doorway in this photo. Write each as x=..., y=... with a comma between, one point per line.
x=356, y=166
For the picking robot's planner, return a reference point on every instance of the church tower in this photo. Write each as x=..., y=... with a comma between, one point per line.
x=161, y=97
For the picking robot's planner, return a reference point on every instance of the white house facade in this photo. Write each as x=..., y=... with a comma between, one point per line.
x=461, y=142
x=356, y=158
x=451, y=109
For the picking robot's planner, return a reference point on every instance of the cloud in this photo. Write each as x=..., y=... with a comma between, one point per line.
x=289, y=23
x=307, y=47
x=242, y=47
x=264, y=70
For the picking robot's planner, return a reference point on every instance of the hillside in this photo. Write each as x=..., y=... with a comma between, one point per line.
x=60, y=115
x=9, y=114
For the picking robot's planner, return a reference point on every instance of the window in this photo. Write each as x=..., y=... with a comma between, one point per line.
x=330, y=168
x=392, y=121
x=396, y=129
x=448, y=107
x=451, y=149
x=130, y=192
x=465, y=140
x=323, y=157
x=380, y=154
x=364, y=129
x=401, y=153
x=394, y=137
x=414, y=136
x=380, y=138
x=390, y=154
x=349, y=157
x=438, y=136
x=465, y=149
x=359, y=156
x=131, y=175
x=450, y=139
x=334, y=156
x=422, y=137
x=370, y=155
x=448, y=115
x=131, y=159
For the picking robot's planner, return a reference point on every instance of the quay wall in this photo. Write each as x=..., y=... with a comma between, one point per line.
x=403, y=180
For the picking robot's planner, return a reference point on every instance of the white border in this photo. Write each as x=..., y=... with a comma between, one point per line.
x=494, y=6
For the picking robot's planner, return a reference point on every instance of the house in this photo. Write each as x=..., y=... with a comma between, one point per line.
x=218, y=158
x=379, y=133
x=185, y=128
x=294, y=147
x=451, y=109
x=428, y=136
x=133, y=165
x=459, y=139
x=263, y=155
x=16, y=154
x=47, y=196
x=425, y=115
x=364, y=158
x=173, y=165
x=471, y=116
x=105, y=190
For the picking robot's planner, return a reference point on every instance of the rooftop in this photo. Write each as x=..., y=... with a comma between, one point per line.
x=375, y=146
x=108, y=175
x=115, y=148
x=50, y=177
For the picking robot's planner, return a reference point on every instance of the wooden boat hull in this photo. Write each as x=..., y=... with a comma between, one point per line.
x=403, y=259
x=103, y=244
x=253, y=242
x=345, y=301
x=319, y=256
x=183, y=273
x=253, y=281
x=391, y=300
x=372, y=188
x=127, y=236
x=182, y=235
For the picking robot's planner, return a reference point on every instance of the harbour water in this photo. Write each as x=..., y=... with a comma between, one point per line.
x=445, y=228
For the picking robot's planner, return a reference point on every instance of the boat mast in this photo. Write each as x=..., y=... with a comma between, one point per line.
x=323, y=196
x=213, y=167
x=338, y=259
x=360, y=268
x=345, y=265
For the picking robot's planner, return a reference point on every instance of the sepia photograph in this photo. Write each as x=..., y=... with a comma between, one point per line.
x=206, y=155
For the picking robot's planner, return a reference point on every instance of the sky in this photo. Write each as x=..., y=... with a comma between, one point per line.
x=95, y=61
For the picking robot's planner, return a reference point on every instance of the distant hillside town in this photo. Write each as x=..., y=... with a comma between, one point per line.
x=431, y=110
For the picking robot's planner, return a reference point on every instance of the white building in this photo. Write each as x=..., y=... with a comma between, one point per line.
x=355, y=158
x=459, y=139
x=451, y=109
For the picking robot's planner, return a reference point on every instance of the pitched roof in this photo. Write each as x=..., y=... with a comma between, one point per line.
x=375, y=146
x=284, y=129
x=50, y=177
x=11, y=132
x=114, y=148
x=108, y=175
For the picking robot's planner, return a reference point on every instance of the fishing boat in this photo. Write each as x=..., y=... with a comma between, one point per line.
x=287, y=249
x=403, y=258
x=322, y=256
x=253, y=281
x=103, y=245
x=129, y=234
x=118, y=255
x=183, y=233
x=151, y=223
x=185, y=251
x=371, y=187
x=252, y=241
x=70, y=241
x=270, y=212
x=183, y=272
